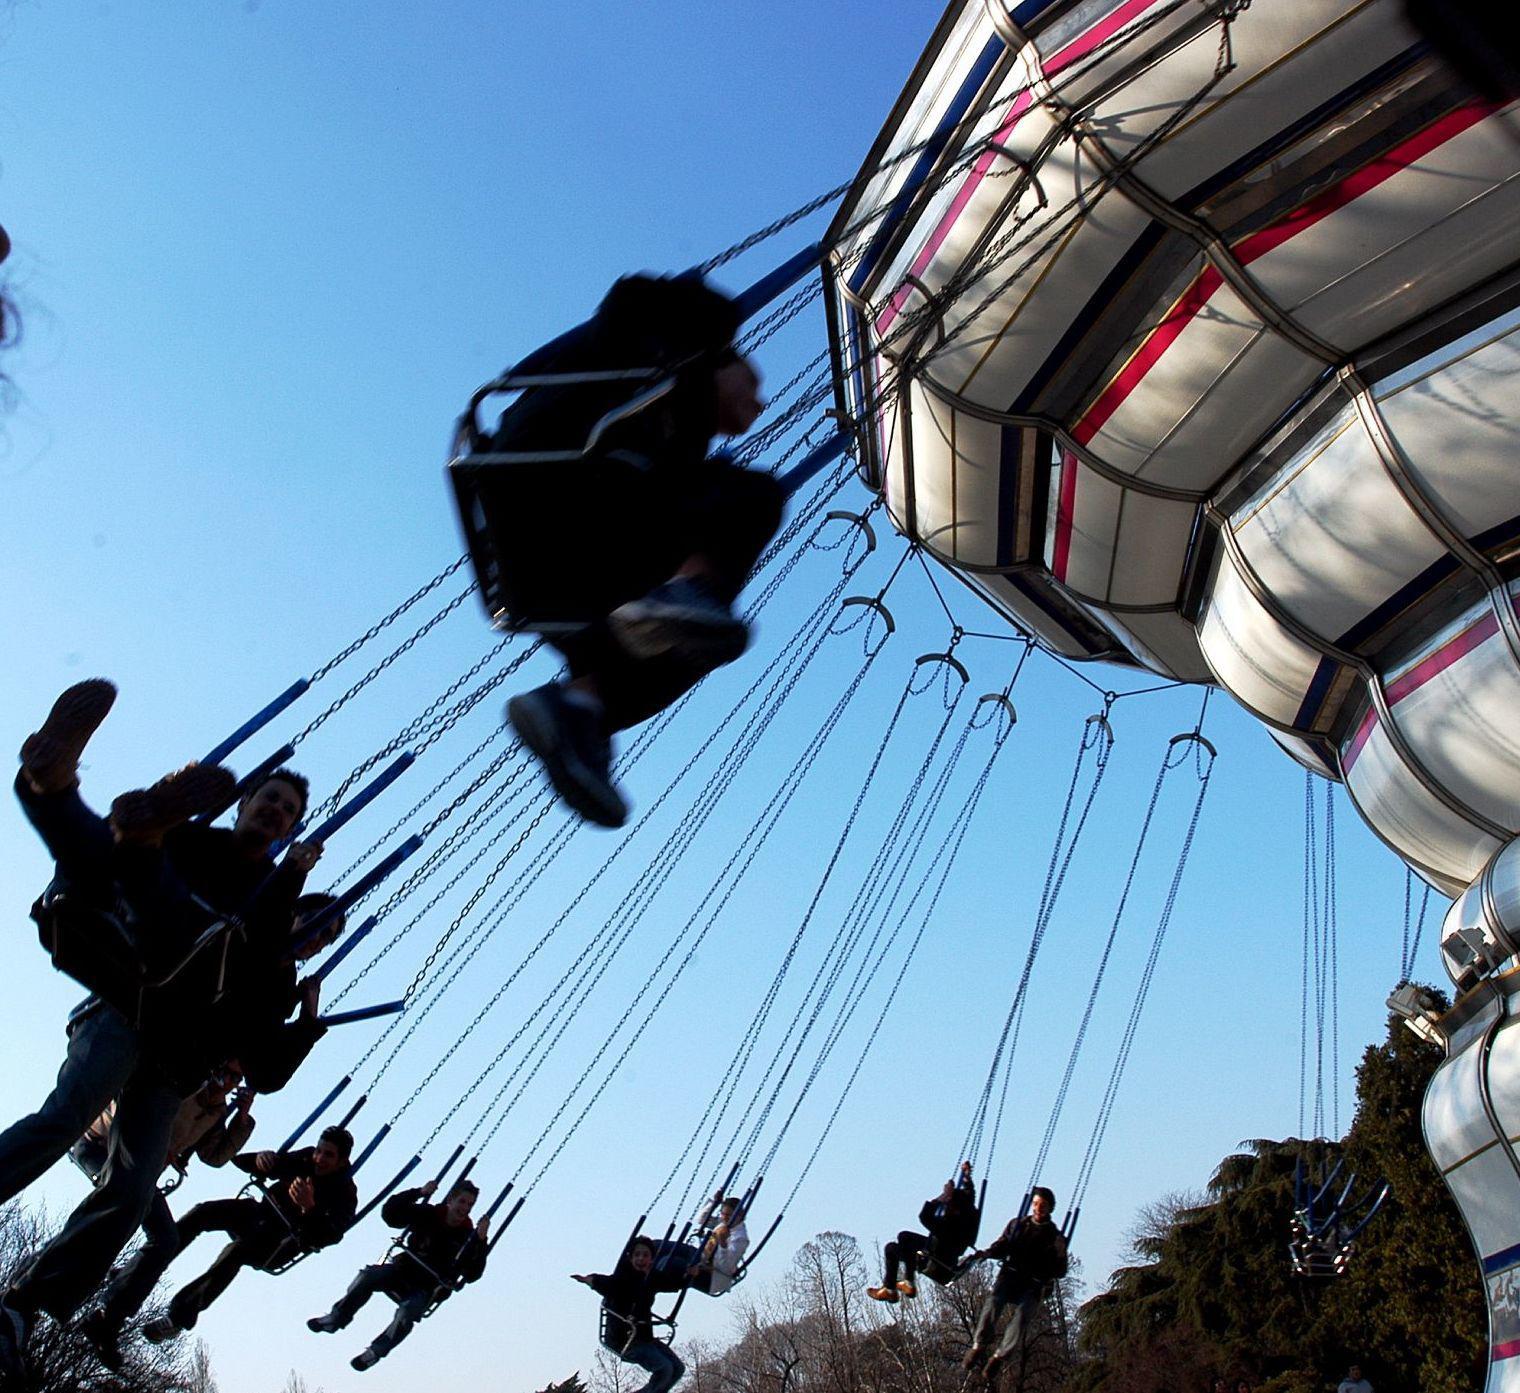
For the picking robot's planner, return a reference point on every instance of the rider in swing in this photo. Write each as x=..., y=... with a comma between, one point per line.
x=441, y=1250
x=658, y=536
x=951, y=1221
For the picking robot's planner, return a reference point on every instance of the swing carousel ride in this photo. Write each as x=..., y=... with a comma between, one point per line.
x=1179, y=334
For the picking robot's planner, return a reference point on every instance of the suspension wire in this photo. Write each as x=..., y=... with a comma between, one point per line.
x=385, y=663
x=437, y=719
x=650, y=881
x=866, y=899
x=875, y=955
x=570, y=828
x=1411, y=945
x=824, y=978
x=946, y=858
x=637, y=894
x=895, y=855
x=1205, y=773
x=1309, y=971
x=768, y=820
x=375, y=630
x=1097, y=737
x=1332, y=950
x=500, y=797
x=1063, y=1090
x=791, y=661
x=763, y=1010
x=497, y=732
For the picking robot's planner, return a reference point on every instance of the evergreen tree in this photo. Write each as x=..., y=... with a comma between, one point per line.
x=1214, y=1296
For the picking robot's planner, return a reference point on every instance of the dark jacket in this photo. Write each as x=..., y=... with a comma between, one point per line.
x=1035, y=1251
x=949, y=1234
x=451, y=1254
x=629, y=1298
x=661, y=323
x=337, y=1199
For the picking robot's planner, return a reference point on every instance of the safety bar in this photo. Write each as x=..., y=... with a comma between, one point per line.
x=255, y=723
x=775, y=284
x=364, y=1013
x=386, y=1190
x=251, y=779
x=363, y=1156
x=353, y=1112
x=361, y=887
x=448, y=1165
x=317, y=1111
x=346, y=947
x=756, y=1250
x=506, y=1223
x=814, y=462
x=363, y=798
x=497, y=1202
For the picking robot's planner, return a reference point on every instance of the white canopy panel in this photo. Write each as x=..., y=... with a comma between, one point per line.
x=1188, y=335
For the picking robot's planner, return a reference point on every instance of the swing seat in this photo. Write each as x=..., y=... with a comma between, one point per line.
x=671, y=1263
x=616, y=1334
x=940, y=1272
x=101, y=949
x=287, y=1253
x=516, y=489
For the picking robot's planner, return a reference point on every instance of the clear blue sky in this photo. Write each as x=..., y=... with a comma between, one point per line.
x=264, y=252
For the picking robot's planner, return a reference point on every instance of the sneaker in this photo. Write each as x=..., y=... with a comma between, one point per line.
x=365, y=1359
x=973, y=1357
x=325, y=1325
x=50, y=755
x=887, y=1294
x=159, y=1329
x=575, y=752
x=15, y=1330
x=103, y=1335
x=685, y=617
x=907, y=1288
x=145, y=814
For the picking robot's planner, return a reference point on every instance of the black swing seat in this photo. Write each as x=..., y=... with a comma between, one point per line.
x=515, y=487
x=616, y=1333
x=290, y=1250
x=103, y=948
x=443, y=1287
x=940, y=1272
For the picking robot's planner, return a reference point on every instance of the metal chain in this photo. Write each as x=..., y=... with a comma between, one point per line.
x=857, y=914
x=363, y=858
x=774, y=809
x=376, y=629
x=775, y=986
x=386, y=662
x=780, y=691
x=431, y=721
x=1064, y=1088
x=1098, y=736
x=907, y=855
x=1127, y=1040
x=946, y=857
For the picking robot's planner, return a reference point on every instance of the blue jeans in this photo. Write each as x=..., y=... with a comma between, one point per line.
x=102, y=1055
x=101, y=1049
x=133, y=1283
x=1026, y=1299
x=411, y=1302
x=665, y=1370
